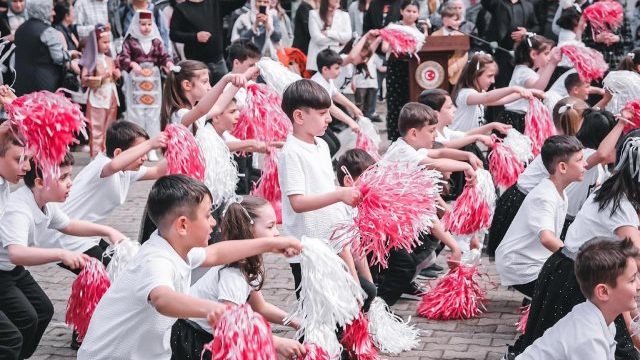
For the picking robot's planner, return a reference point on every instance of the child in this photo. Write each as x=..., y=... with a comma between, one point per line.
x=236, y=283
x=607, y=273
x=576, y=88
x=623, y=84
x=99, y=73
x=533, y=235
x=140, y=307
x=29, y=211
x=242, y=55
x=571, y=26
x=451, y=20
x=470, y=93
x=365, y=83
x=141, y=57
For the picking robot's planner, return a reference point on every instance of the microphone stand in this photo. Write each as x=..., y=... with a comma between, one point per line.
x=492, y=44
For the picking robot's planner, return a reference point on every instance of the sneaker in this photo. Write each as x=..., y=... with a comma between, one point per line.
x=429, y=273
x=414, y=291
x=375, y=118
x=436, y=268
x=510, y=354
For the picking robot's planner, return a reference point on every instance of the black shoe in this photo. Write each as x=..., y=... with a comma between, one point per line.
x=510, y=354
x=375, y=118
x=436, y=268
x=428, y=273
x=414, y=291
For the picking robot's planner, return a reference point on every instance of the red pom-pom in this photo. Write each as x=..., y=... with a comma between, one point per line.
x=456, y=296
x=268, y=186
x=398, y=202
x=357, y=341
x=315, y=352
x=242, y=333
x=86, y=291
x=364, y=142
x=401, y=39
x=604, y=16
x=521, y=325
x=538, y=125
x=634, y=108
x=48, y=123
x=504, y=165
x=589, y=63
x=183, y=154
x=469, y=214
x=262, y=117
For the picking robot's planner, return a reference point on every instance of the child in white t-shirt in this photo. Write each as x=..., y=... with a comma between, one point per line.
x=365, y=83
x=138, y=310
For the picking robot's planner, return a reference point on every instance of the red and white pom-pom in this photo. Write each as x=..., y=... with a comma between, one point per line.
x=48, y=123
x=183, y=154
x=120, y=254
x=521, y=325
x=604, y=16
x=456, y=296
x=276, y=75
x=589, y=63
x=268, y=186
x=242, y=333
x=389, y=332
x=398, y=202
x=402, y=39
x=520, y=145
x=473, y=209
x=357, y=341
x=538, y=125
x=315, y=352
x=262, y=117
x=364, y=142
x=86, y=291
x=634, y=108
x=504, y=165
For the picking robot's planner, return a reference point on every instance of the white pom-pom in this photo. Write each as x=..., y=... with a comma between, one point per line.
x=276, y=75
x=520, y=144
x=390, y=333
x=325, y=337
x=565, y=4
x=220, y=170
x=485, y=184
x=624, y=86
x=411, y=30
x=367, y=127
x=120, y=254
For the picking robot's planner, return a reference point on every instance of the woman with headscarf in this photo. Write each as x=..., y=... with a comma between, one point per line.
x=260, y=25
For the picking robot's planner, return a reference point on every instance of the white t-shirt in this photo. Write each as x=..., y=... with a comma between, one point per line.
x=176, y=118
x=447, y=134
x=400, y=151
x=326, y=84
x=520, y=255
x=125, y=325
x=219, y=284
x=590, y=222
x=4, y=195
x=581, y=334
x=579, y=191
x=521, y=74
x=468, y=117
x=23, y=220
x=221, y=171
x=532, y=175
x=305, y=169
x=92, y=198
x=360, y=79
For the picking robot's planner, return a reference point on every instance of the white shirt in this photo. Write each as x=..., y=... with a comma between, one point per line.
x=176, y=118
x=219, y=284
x=92, y=198
x=305, y=169
x=221, y=171
x=23, y=220
x=125, y=326
x=334, y=38
x=360, y=79
x=4, y=195
x=447, y=134
x=400, y=151
x=520, y=255
x=581, y=334
x=328, y=85
x=590, y=222
x=468, y=117
x=579, y=191
x=532, y=175
x=521, y=75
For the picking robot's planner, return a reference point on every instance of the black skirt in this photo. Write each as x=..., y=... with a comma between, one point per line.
x=513, y=118
x=397, y=93
x=187, y=341
x=506, y=209
x=457, y=180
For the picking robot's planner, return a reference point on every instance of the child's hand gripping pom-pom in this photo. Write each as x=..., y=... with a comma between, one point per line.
x=367, y=138
x=268, y=185
x=504, y=165
x=521, y=325
x=48, y=124
x=402, y=39
x=276, y=75
x=604, y=16
x=86, y=291
x=473, y=209
x=538, y=125
x=633, y=109
x=182, y=153
x=120, y=254
x=390, y=333
x=315, y=352
x=520, y=145
x=589, y=63
x=357, y=341
x=398, y=202
x=262, y=117
x=457, y=296
x=242, y=333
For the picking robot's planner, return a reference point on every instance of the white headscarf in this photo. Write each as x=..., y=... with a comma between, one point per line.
x=144, y=40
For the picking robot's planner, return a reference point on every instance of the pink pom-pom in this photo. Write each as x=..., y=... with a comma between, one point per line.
x=183, y=154
x=521, y=325
x=634, y=108
x=315, y=352
x=589, y=63
x=398, y=202
x=504, y=165
x=538, y=125
x=48, y=123
x=456, y=296
x=470, y=213
x=357, y=341
x=268, y=186
x=242, y=333
x=86, y=291
x=401, y=39
x=364, y=142
x=262, y=117
x=604, y=16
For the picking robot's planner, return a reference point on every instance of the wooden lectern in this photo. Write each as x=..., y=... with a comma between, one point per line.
x=436, y=50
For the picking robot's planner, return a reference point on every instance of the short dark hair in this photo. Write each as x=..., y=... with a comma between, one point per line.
x=304, y=94
x=569, y=18
x=242, y=50
x=601, y=261
x=356, y=161
x=175, y=195
x=522, y=51
x=415, y=116
x=572, y=80
x=433, y=98
x=122, y=135
x=558, y=148
x=327, y=58
x=36, y=173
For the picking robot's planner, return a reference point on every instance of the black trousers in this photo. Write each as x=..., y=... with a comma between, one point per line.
x=526, y=289
x=25, y=313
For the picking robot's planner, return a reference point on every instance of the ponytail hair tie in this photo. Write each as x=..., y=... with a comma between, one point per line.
x=631, y=55
x=564, y=108
x=529, y=35
x=175, y=69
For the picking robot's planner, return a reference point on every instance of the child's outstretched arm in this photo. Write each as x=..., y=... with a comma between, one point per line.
x=303, y=203
x=466, y=140
x=171, y=303
x=549, y=240
x=456, y=154
x=342, y=100
x=606, y=98
x=226, y=252
x=448, y=165
x=492, y=96
x=212, y=96
x=83, y=228
x=443, y=235
x=272, y=313
x=606, y=152
x=21, y=255
x=342, y=116
x=123, y=160
x=544, y=73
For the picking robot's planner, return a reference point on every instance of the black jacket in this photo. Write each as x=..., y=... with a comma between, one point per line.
x=35, y=69
x=502, y=21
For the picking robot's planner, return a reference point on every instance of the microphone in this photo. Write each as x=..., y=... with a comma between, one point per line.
x=492, y=44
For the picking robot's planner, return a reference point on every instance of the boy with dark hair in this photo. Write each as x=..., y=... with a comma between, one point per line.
x=607, y=273
x=242, y=54
x=576, y=87
x=143, y=303
x=533, y=235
